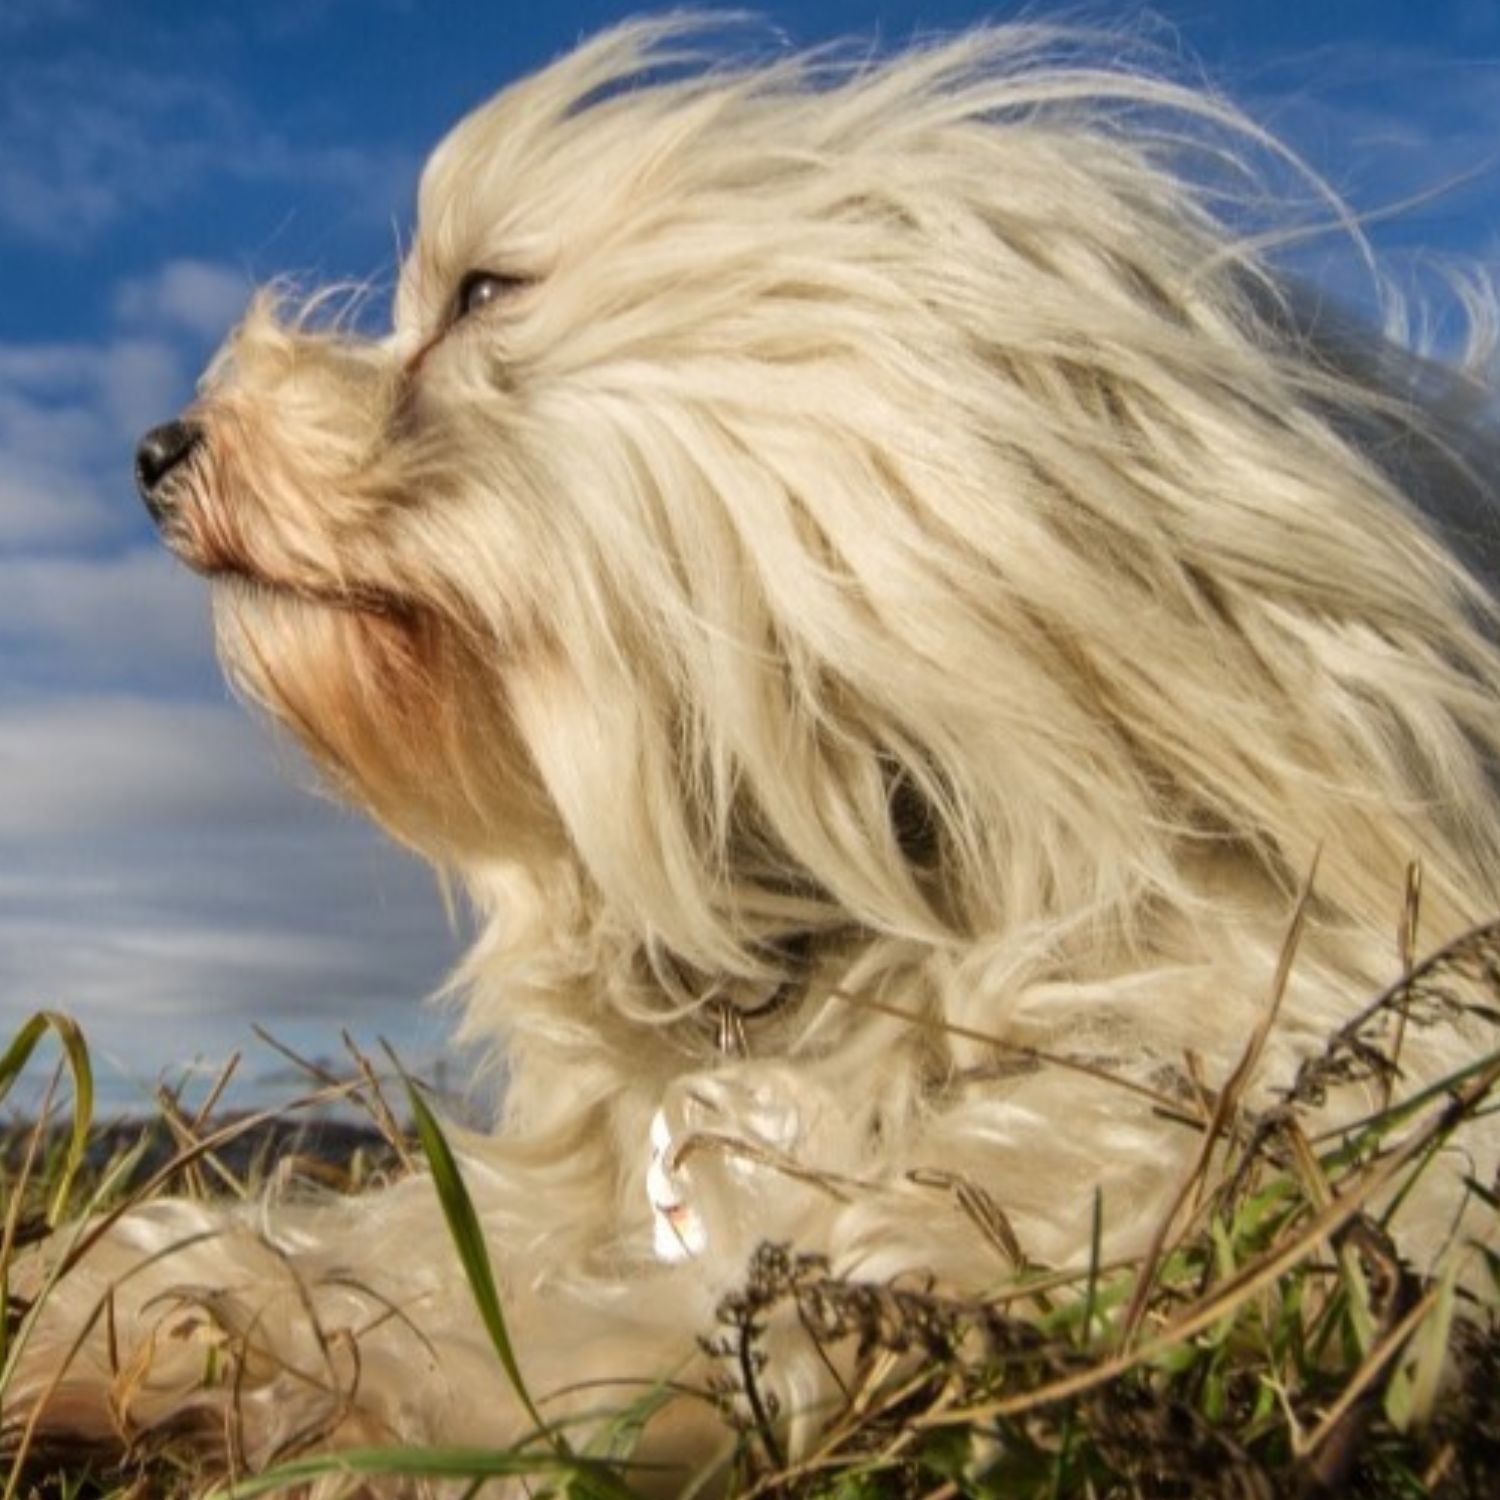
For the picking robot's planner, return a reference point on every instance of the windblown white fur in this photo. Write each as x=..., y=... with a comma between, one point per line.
x=886, y=546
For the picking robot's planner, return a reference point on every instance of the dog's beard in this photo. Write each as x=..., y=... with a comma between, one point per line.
x=348, y=683
x=394, y=705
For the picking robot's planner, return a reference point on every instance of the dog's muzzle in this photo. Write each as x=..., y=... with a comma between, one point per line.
x=162, y=452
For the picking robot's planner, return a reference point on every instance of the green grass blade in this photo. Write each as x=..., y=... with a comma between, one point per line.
x=1412, y=1397
x=591, y=1477
x=18, y=1054
x=473, y=1254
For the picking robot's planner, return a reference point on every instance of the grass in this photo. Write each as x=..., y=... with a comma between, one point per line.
x=1271, y=1342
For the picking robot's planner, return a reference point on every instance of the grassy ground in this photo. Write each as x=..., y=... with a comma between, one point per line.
x=1272, y=1343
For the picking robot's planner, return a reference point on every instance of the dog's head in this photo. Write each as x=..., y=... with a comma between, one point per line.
x=809, y=497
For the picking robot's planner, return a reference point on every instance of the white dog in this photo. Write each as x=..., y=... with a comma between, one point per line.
x=879, y=597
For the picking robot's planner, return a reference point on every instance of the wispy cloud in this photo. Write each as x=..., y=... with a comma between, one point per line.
x=69, y=414
x=98, y=766
x=1395, y=129
x=166, y=875
x=192, y=296
x=86, y=140
x=133, y=620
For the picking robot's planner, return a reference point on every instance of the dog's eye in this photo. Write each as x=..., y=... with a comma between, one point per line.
x=479, y=289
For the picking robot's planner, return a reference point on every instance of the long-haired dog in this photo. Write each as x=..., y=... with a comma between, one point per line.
x=880, y=597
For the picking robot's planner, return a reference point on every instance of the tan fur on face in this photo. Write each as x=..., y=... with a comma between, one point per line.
x=888, y=541
x=296, y=475
x=391, y=703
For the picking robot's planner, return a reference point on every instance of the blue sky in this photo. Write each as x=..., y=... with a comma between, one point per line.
x=165, y=873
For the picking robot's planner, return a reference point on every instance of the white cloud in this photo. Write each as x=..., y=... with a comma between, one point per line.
x=136, y=618
x=87, y=140
x=166, y=951
x=45, y=503
x=99, y=766
x=165, y=878
x=141, y=383
x=62, y=390
x=70, y=414
x=80, y=141
x=195, y=296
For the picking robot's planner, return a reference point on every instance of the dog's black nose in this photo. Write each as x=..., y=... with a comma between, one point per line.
x=161, y=451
